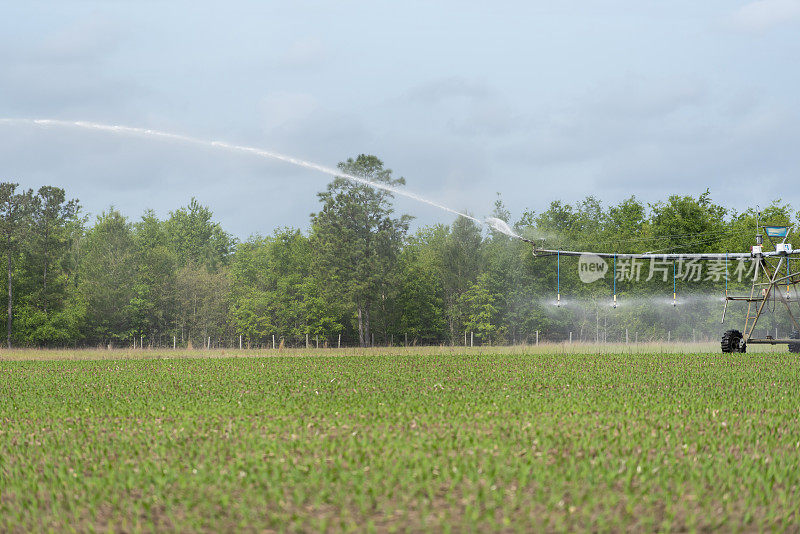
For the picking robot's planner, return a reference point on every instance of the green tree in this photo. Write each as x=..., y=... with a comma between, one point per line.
x=196, y=238
x=686, y=224
x=251, y=304
x=478, y=306
x=627, y=223
x=153, y=304
x=108, y=277
x=461, y=263
x=356, y=239
x=55, y=219
x=49, y=311
x=15, y=212
x=202, y=251
x=420, y=301
x=202, y=296
x=274, y=290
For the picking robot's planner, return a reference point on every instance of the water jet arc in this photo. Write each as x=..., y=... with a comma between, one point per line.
x=260, y=152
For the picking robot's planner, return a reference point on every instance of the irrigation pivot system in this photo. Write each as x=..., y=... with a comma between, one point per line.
x=773, y=279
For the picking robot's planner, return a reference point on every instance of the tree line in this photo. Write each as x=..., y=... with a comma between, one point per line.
x=358, y=276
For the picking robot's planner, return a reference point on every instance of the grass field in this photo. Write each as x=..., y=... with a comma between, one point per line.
x=515, y=439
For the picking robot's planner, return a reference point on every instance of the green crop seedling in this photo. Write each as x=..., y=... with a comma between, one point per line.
x=504, y=441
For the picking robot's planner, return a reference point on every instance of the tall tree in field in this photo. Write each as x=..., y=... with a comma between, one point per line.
x=108, y=277
x=47, y=310
x=202, y=249
x=154, y=301
x=478, y=306
x=53, y=217
x=461, y=264
x=15, y=209
x=420, y=301
x=202, y=296
x=501, y=264
x=196, y=238
x=686, y=224
x=627, y=222
x=275, y=292
x=253, y=285
x=356, y=238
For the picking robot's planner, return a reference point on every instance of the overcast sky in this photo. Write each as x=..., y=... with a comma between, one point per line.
x=536, y=100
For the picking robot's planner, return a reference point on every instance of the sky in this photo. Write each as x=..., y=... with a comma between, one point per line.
x=537, y=101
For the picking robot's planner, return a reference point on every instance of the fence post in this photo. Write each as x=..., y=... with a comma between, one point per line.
x=537, y=337
x=570, y=338
x=339, y=343
x=627, y=340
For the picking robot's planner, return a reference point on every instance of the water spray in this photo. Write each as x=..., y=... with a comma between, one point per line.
x=496, y=224
x=501, y=226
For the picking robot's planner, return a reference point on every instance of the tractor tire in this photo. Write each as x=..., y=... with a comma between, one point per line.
x=794, y=347
x=732, y=342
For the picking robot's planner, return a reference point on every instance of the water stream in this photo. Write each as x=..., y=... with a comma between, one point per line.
x=492, y=222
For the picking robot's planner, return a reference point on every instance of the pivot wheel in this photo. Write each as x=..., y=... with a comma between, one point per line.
x=794, y=347
x=732, y=342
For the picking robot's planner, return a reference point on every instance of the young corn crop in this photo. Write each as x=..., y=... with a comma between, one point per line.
x=513, y=441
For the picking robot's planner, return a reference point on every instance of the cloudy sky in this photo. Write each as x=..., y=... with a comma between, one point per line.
x=535, y=100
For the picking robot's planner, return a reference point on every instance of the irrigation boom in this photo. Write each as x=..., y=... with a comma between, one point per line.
x=772, y=269
x=654, y=256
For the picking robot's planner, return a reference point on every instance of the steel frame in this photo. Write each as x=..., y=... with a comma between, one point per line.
x=769, y=270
